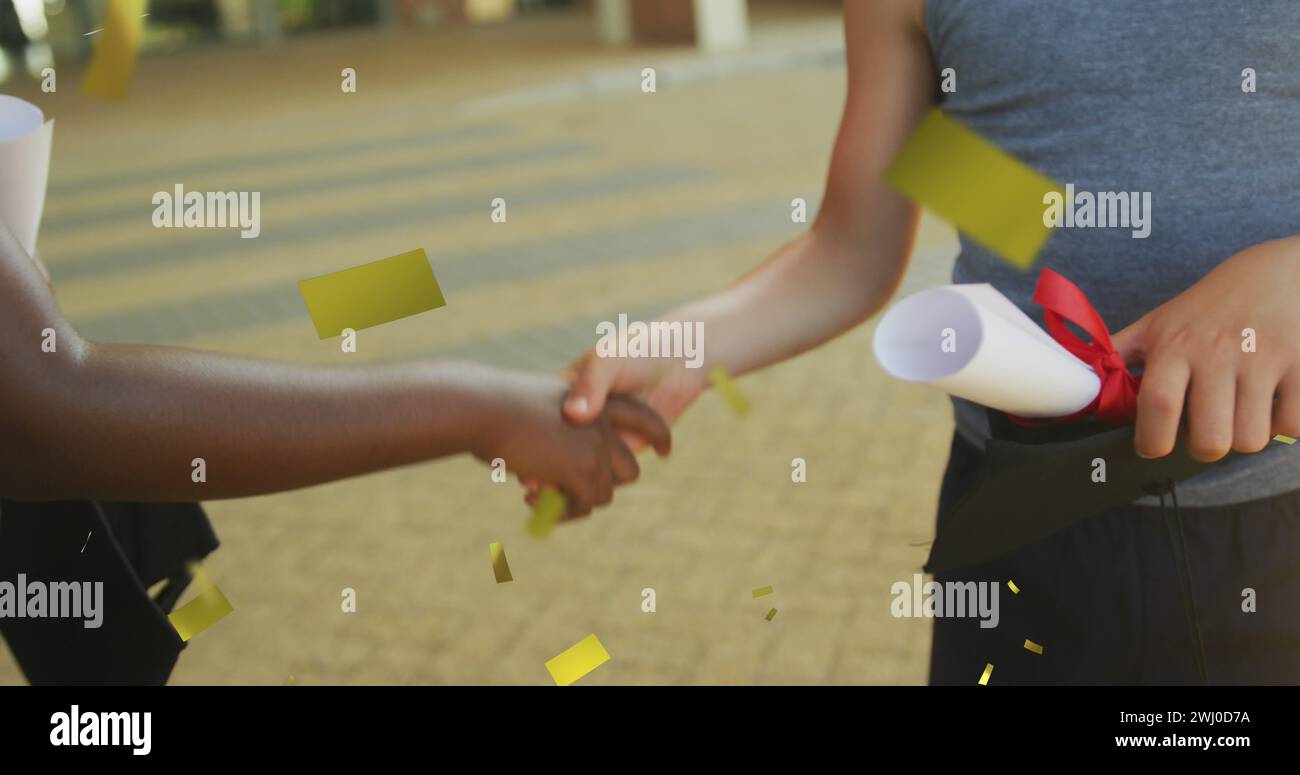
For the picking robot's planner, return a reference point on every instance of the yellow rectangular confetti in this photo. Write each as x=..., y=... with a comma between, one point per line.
x=113, y=63
x=499, y=565
x=488, y=11
x=550, y=507
x=210, y=607
x=993, y=197
x=770, y=614
x=729, y=392
x=762, y=591
x=1284, y=439
x=577, y=660
x=1034, y=647
x=988, y=671
x=372, y=294
x=1014, y=589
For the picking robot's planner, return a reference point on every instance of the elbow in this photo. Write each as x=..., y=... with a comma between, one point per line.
x=38, y=454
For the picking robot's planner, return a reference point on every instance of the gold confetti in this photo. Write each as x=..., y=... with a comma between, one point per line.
x=729, y=392
x=550, y=507
x=577, y=660
x=1014, y=589
x=205, y=610
x=290, y=681
x=1284, y=439
x=372, y=294
x=762, y=591
x=113, y=63
x=1034, y=647
x=770, y=614
x=988, y=671
x=991, y=196
x=499, y=565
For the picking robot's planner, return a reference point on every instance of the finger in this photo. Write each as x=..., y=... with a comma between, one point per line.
x=605, y=477
x=1286, y=412
x=622, y=460
x=629, y=414
x=1160, y=406
x=1211, y=403
x=1253, y=419
x=580, y=502
x=1131, y=343
x=632, y=441
x=591, y=377
x=582, y=484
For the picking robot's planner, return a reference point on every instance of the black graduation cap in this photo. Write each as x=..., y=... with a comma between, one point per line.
x=1036, y=481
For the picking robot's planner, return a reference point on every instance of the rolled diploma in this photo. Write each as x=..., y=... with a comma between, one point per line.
x=1000, y=357
x=25, y=138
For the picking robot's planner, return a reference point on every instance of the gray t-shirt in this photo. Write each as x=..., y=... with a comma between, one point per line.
x=1124, y=96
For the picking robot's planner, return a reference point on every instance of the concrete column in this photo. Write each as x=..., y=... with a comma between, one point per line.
x=711, y=25
x=267, y=17
x=614, y=21
x=721, y=24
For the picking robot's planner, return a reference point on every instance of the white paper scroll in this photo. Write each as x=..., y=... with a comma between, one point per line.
x=971, y=342
x=25, y=138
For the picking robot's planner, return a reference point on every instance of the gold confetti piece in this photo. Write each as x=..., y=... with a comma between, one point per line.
x=372, y=294
x=499, y=565
x=988, y=671
x=729, y=392
x=550, y=507
x=770, y=614
x=210, y=607
x=993, y=197
x=762, y=591
x=1034, y=647
x=1284, y=439
x=290, y=681
x=1014, y=589
x=488, y=11
x=113, y=63
x=577, y=660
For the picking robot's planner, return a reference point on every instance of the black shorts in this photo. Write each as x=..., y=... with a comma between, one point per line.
x=1103, y=599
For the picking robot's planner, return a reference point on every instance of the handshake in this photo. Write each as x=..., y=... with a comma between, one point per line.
x=570, y=433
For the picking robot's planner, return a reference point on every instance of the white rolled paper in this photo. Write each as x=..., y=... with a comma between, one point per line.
x=971, y=342
x=25, y=138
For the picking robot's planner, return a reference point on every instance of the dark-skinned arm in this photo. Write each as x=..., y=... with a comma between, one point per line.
x=125, y=422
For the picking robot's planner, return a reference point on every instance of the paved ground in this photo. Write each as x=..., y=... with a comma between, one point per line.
x=618, y=202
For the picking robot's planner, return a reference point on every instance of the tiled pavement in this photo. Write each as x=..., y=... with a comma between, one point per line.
x=620, y=202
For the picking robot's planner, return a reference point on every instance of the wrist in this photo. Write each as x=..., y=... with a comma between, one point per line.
x=472, y=417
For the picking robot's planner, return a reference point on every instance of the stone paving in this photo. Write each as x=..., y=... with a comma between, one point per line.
x=618, y=202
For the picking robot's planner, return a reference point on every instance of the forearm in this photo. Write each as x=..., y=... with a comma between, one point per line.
x=809, y=291
x=848, y=265
x=126, y=423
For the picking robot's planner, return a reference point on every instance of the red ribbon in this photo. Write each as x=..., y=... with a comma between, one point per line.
x=1116, y=402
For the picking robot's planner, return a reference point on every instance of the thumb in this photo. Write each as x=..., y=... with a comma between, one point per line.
x=591, y=379
x=1131, y=343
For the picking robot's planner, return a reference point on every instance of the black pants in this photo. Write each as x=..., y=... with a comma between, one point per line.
x=1103, y=598
x=128, y=547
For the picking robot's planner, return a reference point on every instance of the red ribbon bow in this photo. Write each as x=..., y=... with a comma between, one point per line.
x=1116, y=402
